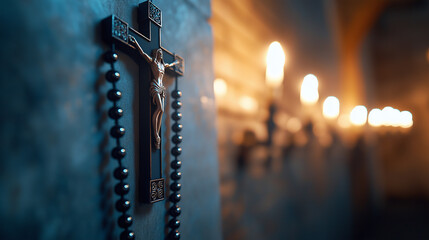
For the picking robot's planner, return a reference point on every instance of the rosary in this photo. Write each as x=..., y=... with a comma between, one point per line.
x=118, y=152
x=154, y=61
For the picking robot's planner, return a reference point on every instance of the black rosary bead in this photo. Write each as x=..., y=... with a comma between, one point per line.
x=175, y=197
x=120, y=173
x=175, y=211
x=122, y=188
x=174, y=235
x=176, y=151
x=127, y=235
x=123, y=205
x=175, y=186
x=114, y=95
x=176, y=116
x=176, y=94
x=118, y=153
x=176, y=104
x=176, y=164
x=177, y=139
x=176, y=175
x=174, y=223
x=117, y=131
x=177, y=127
x=125, y=221
x=112, y=76
x=110, y=57
x=116, y=112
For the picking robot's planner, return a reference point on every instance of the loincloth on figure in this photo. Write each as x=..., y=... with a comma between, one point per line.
x=156, y=89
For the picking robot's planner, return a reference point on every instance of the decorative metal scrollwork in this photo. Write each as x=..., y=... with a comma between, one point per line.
x=155, y=14
x=120, y=29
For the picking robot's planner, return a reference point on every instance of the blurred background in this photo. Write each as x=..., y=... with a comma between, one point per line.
x=321, y=109
x=302, y=120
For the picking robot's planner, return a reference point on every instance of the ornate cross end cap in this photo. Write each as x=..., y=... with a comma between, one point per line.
x=120, y=29
x=179, y=68
x=148, y=11
x=156, y=190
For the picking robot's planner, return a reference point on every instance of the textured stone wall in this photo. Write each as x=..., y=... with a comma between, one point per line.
x=55, y=172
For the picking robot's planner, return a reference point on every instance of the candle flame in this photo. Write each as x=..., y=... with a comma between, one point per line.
x=309, y=90
x=275, y=65
x=358, y=115
x=331, y=107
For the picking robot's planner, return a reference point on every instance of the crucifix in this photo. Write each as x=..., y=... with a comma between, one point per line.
x=154, y=61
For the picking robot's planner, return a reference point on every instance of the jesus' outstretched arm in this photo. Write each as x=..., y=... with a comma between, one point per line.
x=167, y=65
x=137, y=45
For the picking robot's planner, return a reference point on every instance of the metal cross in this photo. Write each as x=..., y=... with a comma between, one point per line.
x=153, y=59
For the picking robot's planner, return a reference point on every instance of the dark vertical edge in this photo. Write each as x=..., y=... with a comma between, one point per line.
x=145, y=134
x=143, y=19
x=107, y=29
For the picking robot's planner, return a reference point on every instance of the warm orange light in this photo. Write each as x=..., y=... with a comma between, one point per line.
x=375, y=117
x=220, y=87
x=344, y=121
x=248, y=104
x=406, y=119
x=293, y=125
x=309, y=90
x=396, y=118
x=331, y=107
x=358, y=115
x=275, y=65
x=388, y=115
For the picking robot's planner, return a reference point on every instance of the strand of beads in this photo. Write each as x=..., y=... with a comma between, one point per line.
x=175, y=186
x=118, y=152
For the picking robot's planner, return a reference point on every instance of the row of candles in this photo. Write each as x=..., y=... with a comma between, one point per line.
x=359, y=116
x=309, y=96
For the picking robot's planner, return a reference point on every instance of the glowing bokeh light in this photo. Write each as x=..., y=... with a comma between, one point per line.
x=220, y=87
x=390, y=117
x=248, y=104
x=331, y=107
x=388, y=114
x=309, y=90
x=406, y=119
x=293, y=125
x=275, y=65
x=358, y=115
x=395, y=121
x=375, y=117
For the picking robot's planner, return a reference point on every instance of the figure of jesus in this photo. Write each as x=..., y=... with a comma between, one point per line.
x=157, y=89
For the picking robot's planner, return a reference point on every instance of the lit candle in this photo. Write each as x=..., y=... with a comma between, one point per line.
x=275, y=65
x=406, y=119
x=331, y=107
x=396, y=118
x=309, y=90
x=358, y=115
x=388, y=114
x=375, y=117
